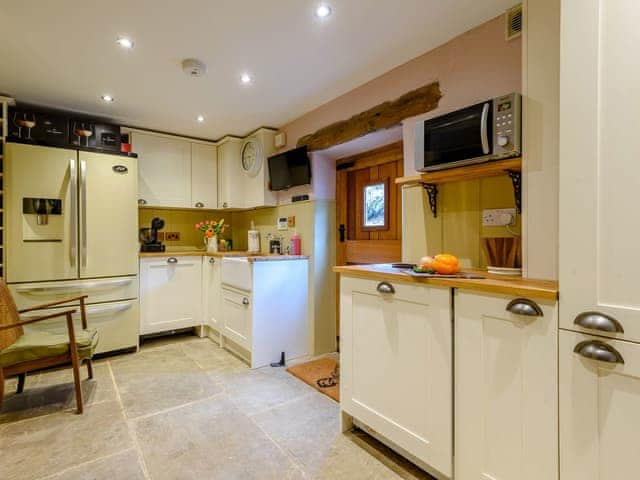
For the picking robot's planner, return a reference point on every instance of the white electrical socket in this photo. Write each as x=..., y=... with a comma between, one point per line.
x=498, y=217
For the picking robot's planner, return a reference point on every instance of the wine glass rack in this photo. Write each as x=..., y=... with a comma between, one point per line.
x=5, y=102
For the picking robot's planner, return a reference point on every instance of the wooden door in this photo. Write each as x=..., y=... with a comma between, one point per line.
x=371, y=231
x=599, y=167
x=506, y=390
x=396, y=369
x=599, y=415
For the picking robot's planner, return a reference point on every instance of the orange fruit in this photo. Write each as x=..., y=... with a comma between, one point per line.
x=445, y=264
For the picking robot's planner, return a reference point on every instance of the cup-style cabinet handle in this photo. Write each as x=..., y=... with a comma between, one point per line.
x=172, y=260
x=245, y=301
x=224, y=205
x=212, y=260
x=199, y=205
x=600, y=351
x=524, y=306
x=599, y=322
x=142, y=201
x=385, y=287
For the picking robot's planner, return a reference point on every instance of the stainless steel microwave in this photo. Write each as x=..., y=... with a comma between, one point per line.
x=480, y=133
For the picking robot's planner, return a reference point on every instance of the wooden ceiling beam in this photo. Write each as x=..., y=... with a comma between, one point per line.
x=380, y=117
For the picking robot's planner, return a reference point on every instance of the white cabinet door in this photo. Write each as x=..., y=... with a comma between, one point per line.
x=204, y=176
x=505, y=389
x=164, y=170
x=236, y=317
x=230, y=176
x=599, y=408
x=170, y=293
x=599, y=166
x=396, y=365
x=212, y=291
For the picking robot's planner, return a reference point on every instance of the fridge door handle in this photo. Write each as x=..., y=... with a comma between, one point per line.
x=83, y=211
x=73, y=220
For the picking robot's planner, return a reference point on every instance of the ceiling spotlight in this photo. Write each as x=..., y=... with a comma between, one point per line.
x=125, y=42
x=245, y=78
x=323, y=11
x=107, y=98
x=200, y=118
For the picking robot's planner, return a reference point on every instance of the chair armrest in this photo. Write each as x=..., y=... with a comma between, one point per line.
x=52, y=304
x=64, y=313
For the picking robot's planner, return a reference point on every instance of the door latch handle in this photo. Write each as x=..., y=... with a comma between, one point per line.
x=342, y=229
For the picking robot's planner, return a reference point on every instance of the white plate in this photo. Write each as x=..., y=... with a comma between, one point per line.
x=511, y=272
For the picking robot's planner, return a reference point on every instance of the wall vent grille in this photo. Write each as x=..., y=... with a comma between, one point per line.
x=513, y=19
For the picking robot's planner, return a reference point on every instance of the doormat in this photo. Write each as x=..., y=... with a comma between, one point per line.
x=322, y=374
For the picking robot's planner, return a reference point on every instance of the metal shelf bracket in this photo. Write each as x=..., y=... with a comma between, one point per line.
x=516, y=180
x=432, y=192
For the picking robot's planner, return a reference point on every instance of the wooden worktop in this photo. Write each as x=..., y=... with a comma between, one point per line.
x=253, y=257
x=516, y=286
x=191, y=253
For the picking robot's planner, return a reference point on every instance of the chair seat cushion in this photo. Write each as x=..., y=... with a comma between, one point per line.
x=37, y=344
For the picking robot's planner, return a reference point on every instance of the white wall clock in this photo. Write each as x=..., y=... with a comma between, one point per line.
x=252, y=156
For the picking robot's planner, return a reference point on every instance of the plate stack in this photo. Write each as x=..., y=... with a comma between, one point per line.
x=503, y=255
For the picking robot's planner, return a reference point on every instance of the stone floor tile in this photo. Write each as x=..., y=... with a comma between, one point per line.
x=306, y=427
x=210, y=440
x=50, y=444
x=121, y=466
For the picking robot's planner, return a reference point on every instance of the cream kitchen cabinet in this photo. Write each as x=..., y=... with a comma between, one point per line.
x=599, y=415
x=164, y=170
x=256, y=179
x=505, y=388
x=204, y=176
x=212, y=292
x=396, y=366
x=170, y=293
x=236, y=317
x=175, y=172
x=230, y=176
x=599, y=168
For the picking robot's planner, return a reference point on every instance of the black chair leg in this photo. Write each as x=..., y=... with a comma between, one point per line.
x=21, y=379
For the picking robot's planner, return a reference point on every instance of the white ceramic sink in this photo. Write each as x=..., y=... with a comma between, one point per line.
x=237, y=273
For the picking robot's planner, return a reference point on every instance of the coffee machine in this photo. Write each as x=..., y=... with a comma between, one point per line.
x=149, y=237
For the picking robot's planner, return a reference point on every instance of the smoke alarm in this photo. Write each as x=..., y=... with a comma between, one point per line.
x=193, y=67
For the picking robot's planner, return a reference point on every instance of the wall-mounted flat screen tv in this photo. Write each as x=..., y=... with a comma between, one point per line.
x=289, y=169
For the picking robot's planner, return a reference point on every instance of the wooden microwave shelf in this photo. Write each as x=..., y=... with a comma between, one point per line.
x=431, y=180
x=469, y=172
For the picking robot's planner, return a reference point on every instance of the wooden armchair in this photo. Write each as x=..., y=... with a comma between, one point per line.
x=23, y=351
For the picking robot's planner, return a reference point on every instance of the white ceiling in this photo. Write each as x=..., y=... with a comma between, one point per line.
x=63, y=54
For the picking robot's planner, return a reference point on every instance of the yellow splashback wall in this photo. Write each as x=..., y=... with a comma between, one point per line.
x=458, y=227
x=183, y=221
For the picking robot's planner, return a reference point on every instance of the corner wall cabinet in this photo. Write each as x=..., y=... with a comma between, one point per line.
x=175, y=172
x=244, y=172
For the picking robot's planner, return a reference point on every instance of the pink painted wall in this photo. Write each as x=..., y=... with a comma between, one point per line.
x=474, y=66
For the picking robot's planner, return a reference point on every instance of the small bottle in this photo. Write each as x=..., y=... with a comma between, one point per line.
x=253, y=239
x=296, y=244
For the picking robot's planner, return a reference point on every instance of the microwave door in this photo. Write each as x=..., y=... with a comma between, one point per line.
x=458, y=138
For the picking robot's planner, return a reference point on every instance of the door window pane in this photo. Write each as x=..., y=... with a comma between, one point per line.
x=374, y=205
